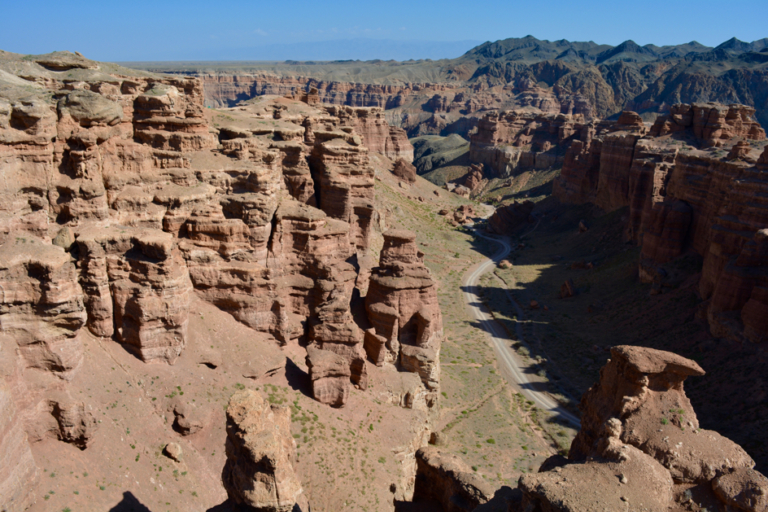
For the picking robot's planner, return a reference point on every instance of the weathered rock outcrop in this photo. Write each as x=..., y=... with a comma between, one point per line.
x=377, y=134
x=404, y=170
x=402, y=306
x=506, y=219
x=260, y=454
x=640, y=445
x=330, y=375
x=447, y=480
x=511, y=141
x=42, y=305
x=137, y=288
x=712, y=124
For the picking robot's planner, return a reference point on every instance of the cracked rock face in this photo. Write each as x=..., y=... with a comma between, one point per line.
x=260, y=454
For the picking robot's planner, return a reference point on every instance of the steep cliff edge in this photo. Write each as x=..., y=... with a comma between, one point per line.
x=694, y=182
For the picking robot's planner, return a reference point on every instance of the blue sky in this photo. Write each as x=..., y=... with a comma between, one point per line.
x=188, y=30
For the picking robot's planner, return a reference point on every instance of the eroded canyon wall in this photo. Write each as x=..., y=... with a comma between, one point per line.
x=123, y=198
x=695, y=181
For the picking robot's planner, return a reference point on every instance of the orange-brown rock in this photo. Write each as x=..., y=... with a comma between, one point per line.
x=474, y=177
x=402, y=307
x=19, y=476
x=568, y=289
x=743, y=489
x=446, y=480
x=641, y=445
x=509, y=142
x=642, y=389
x=137, y=288
x=378, y=136
x=405, y=171
x=739, y=151
x=508, y=218
x=330, y=375
x=42, y=305
x=261, y=454
x=340, y=166
x=682, y=198
x=711, y=123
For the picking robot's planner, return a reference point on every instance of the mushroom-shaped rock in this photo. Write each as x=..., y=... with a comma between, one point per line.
x=260, y=454
x=643, y=389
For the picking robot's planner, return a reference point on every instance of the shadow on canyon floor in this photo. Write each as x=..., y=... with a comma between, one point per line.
x=568, y=339
x=129, y=503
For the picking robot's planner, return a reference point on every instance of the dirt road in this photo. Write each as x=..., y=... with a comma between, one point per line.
x=514, y=368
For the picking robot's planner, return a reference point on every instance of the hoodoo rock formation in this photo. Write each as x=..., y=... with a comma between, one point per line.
x=640, y=447
x=685, y=192
x=260, y=454
x=402, y=305
x=124, y=202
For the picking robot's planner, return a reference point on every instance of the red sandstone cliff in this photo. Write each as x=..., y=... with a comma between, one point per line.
x=124, y=199
x=683, y=192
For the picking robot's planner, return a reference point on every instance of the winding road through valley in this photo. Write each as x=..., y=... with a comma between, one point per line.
x=515, y=370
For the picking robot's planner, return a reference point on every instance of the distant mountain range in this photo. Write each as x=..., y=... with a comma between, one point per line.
x=597, y=79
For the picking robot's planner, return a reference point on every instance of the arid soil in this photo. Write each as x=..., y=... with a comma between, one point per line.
x=263, y=306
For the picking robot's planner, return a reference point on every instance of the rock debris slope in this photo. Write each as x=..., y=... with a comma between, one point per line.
x=124, y=200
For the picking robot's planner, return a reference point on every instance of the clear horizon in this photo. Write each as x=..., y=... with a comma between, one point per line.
x=146, y=31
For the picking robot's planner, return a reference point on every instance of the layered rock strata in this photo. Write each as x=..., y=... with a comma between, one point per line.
x=402, y=306
x=446, y=480
x=19, y=475
x=686, y=193
x=509, y=142
x=124, y=200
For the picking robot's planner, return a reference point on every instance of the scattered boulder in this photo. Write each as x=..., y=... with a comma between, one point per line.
x=173, y=451
x=261, y=453
x=188, y=419
x=568, y=289
x=743, y=489
x=64, y=238
x=508, y=218
x=405, y=171
x=582, y=265
x=583, y=228
x=534, y=304
x=75, y=425
x=505, y=264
